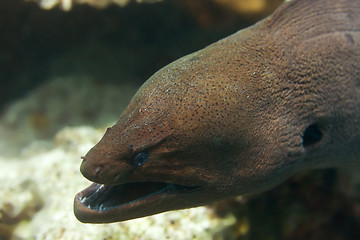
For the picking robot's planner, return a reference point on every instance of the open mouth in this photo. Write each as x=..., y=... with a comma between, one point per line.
x=99, y=197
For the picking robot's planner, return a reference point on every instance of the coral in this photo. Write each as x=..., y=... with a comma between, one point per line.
x=18, y=204
x=223, y=12
x=251, y=7
x=241, y=7
x=67, y=4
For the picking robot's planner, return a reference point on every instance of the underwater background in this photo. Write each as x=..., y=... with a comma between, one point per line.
x=68, y=70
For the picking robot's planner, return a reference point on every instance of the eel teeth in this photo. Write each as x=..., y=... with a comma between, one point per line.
x=83, y=199
x=101, y=207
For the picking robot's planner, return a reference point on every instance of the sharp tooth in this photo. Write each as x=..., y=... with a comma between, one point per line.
x=101, y=207
x=83, y=199
x=88, y=206
x=99, y=189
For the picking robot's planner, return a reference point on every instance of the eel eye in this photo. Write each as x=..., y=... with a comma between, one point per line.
x=140, y=159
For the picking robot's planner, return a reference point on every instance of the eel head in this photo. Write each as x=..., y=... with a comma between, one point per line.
x=186, y=139
x=238, y=117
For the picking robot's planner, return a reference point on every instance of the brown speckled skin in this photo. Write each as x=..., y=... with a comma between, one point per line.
x=230, y=117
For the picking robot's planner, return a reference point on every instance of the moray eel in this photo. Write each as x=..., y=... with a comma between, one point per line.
x=237, y=117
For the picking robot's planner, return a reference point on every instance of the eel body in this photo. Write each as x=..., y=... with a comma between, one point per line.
x=237, y=117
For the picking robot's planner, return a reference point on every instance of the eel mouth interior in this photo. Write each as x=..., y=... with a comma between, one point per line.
x=101, y=197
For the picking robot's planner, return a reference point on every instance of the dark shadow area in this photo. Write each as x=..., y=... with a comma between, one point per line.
x=113, y=44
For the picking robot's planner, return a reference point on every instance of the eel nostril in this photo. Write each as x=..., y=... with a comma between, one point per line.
x=84, y=158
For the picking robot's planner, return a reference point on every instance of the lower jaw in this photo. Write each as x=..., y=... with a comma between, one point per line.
x=98, y=197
